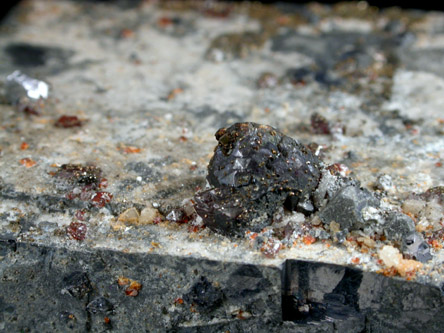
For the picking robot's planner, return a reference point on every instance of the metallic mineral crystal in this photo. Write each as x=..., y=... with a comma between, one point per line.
x=346, y=207
x=19, y=85
x=254, y=171
x=415, y=246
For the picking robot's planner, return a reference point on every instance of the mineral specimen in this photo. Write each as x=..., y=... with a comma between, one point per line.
x=71, y=175
x=68, y=122
x=254, y=171
x=400, y=229
x=415, y=246
x=346, y=207
x=19, y=85
x=398, y=226
x=26, y=93
x=77, y=230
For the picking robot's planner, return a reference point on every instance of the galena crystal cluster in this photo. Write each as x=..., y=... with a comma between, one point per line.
x=256, y=171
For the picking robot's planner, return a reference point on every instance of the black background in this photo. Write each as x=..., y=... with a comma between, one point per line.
x=423, y=5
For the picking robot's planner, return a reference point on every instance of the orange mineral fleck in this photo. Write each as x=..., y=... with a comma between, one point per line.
x=308, y=240
x=133, y=289
x=174, y=93
x=355, y=260
x=436, y=244
x=132, y=150
x=27, y=162
x=178, y=300
x=123, y=281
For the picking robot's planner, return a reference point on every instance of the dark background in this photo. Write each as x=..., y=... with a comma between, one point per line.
x=423, y=5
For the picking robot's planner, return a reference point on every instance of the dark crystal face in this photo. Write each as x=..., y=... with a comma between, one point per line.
x=255, y=169
x=76, y=174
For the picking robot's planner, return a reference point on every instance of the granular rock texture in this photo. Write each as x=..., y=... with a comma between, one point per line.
x=204, y=295
x=108, y=111
x=254, y=171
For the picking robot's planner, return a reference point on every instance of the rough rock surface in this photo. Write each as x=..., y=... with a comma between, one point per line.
x=137, y=90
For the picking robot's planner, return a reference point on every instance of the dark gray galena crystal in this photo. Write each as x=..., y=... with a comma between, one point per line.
x=255, y=170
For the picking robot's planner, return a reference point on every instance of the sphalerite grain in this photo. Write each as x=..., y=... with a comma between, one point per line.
x=255, y=170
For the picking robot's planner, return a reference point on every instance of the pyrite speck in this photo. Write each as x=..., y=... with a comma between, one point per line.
x=255, y=170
